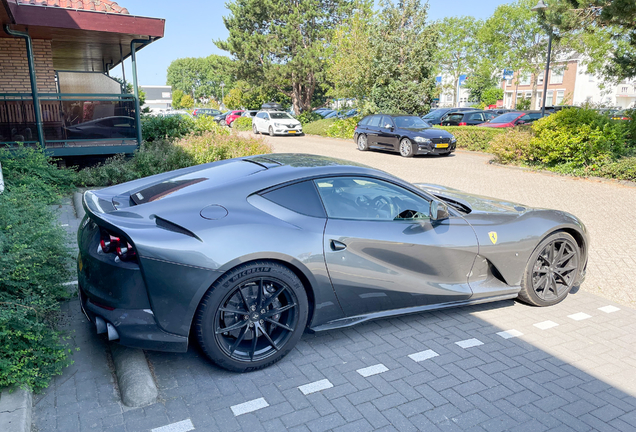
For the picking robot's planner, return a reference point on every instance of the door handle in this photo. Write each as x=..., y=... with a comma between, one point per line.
x=337, y=246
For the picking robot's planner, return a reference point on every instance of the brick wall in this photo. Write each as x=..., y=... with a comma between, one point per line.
x=14, y=68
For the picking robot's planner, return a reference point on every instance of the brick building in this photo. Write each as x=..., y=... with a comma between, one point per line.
x=55, y=88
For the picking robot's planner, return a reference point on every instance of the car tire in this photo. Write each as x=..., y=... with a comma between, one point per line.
x=271, y=131
x=556, y=259
x=363, y=143
x=223, y=123
x=406, y=148
x=254, y=129
x=263, y=338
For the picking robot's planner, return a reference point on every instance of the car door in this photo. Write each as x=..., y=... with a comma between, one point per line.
x=475, y=119
x=387, y=137
x=383, y=252
x=373, y=128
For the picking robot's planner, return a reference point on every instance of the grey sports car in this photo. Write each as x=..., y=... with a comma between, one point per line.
x=246, y=254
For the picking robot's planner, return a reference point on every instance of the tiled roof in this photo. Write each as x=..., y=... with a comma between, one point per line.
x=92, y=5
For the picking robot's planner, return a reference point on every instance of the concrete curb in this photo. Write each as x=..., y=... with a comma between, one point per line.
x=15, y=410
x=77, y=203
x=136, y=385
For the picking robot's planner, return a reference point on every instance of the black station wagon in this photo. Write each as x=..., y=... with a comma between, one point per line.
x=407, y=134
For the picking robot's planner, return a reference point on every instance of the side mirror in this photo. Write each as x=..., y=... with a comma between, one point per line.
x=438, y=211
x=521, y=122
x=388, y=126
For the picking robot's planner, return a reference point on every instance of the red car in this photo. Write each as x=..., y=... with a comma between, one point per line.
x=513, y=119
x=233, y=116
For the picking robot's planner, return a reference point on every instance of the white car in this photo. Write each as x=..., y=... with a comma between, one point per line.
x=276, y=123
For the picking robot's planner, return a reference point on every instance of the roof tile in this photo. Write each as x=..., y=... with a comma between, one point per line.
x=108, y=6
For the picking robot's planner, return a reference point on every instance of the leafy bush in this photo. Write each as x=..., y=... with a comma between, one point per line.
x=242, y=124
x=624, y=169
x=512, y=145
x=34, y=262
x=308, y=117
x=161, y=156
x=473, y=138
x=577, y=137
x=343, y=128
x=318, y=127
x=207, y=124
x=156, y=128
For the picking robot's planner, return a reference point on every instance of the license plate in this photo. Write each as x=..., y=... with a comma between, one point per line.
x=441, y=145
x=291, y=131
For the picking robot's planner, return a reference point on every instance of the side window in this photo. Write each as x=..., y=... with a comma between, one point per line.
x=477, y=117
x=299, y=197
x=387, y=121
x=374, y=121
x=365, y=121
x=361, y=198
x=454, y=118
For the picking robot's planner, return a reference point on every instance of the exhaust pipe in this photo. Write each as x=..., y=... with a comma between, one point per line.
x=101, y=325
x=112, y=333
x=106, y=327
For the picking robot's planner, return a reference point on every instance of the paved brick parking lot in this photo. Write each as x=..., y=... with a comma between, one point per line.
x=495, y=367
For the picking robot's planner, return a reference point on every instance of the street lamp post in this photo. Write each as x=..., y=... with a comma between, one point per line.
x=222, y=85
x=541, y=7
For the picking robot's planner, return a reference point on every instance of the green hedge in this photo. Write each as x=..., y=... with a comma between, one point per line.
x=472, y=137
x=242, y=124
x=177, y=126
x=34, y=262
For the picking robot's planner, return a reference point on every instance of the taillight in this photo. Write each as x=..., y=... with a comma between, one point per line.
x=111, y=243
x=463, y=124
x=355, y=128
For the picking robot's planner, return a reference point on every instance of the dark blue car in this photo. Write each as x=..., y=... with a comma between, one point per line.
x=407, y=134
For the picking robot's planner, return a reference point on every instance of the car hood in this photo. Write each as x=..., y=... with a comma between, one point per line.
x=472, y=202
x=429, y=132
x=286, y=121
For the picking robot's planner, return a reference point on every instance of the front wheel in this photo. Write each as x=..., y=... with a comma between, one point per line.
x=254, y=129
x=406, y=148
x=252, y=316
x=363, y=144
x=551, y=270
x=223, y=123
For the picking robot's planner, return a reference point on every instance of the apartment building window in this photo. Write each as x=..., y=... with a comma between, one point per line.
x=540, y=78
x=509, y=82
x=559, y=97
x=525, y=80
x=166, y=95
x=449, y=98
x=549, y=98
x=556, y=77
x=624, y=90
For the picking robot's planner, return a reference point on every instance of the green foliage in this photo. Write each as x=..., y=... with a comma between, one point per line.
x=242, y=124
x=34, y=262
x=201, y=75
x=523, y=104
x=177, y=95
x=577, y=137
x=318, y=127
x=491, y=96
x=232, y=99
x=186, y=102
x=343, y=128
x=207, y=124
x=308, y=117
x=481, y=80
x=156, y=128
x=512, y=146
x=473, y=138
x=163, y=155
x=623, y=169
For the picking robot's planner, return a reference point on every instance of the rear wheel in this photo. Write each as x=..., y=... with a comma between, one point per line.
x=271, y=131
x=252, y=316
x=406, y=148
x=551, y=270
x=363, y=144
x=254, y=129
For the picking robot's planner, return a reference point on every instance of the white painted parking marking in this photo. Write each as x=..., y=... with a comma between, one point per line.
x=579, y=316
x=182, y=426
x=609, y=309
x=510, y=334
x=69, y=283
x=423, y=355
x=469, y=343
x=315, y=386
x=545, y=325
x=248, y=407
x=372, y=370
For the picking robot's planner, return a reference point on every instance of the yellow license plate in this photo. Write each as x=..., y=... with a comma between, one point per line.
x=291, y=131
x=441, y=145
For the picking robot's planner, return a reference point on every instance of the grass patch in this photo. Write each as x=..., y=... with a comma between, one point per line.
x=318, y=127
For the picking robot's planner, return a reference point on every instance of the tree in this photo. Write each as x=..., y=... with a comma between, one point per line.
x=201, y=77
x=177, y=95
x=483, y=79
x=283, y=43
x=603, y=27
x=403, y=65
x=187, y=101
x=350, y=62
x=458, y=49
x=491, y=96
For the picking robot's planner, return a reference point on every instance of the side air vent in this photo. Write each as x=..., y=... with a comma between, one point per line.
x=169, y=226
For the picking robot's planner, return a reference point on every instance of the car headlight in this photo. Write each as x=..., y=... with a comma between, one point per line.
x=422, y=140
x=278, y=125
x=453, y=140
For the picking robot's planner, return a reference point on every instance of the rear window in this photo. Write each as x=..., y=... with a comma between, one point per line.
x=435, y=114
x=365, y=121
x=300, y=197
x=374, y=121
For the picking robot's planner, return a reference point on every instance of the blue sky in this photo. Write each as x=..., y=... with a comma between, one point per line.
x=192, y=25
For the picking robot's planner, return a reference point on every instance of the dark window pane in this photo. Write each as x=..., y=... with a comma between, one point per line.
x=300, y=197
x=375, y=121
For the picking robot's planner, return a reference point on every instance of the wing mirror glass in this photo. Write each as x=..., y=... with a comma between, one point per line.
x=438, y=211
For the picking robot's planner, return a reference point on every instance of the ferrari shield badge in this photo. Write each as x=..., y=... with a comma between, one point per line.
x=493, y=237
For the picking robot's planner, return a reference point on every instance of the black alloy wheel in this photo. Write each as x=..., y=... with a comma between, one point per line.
x=252, y=317
x=551, y=271
x=406, y=148
x=363, y=144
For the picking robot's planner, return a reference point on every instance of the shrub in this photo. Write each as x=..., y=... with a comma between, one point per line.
x=343, y=128
x=207, y=124
x=578, y=138
x=624, y=169
x=473, y=138
x=209, y=147
x=308, y=117
x=511, y=146
x=318, y=127
x=242, y=124
x=156, y=128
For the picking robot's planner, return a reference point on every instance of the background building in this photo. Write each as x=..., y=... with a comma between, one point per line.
x=158, y=98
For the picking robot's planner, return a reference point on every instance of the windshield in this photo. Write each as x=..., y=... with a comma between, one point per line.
x=410, y=122
x=506, y=118
x=435, y=113
x=277, y=115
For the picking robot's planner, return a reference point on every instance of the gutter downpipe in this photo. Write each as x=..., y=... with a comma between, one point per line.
x=133, y=57
x=34, y=85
